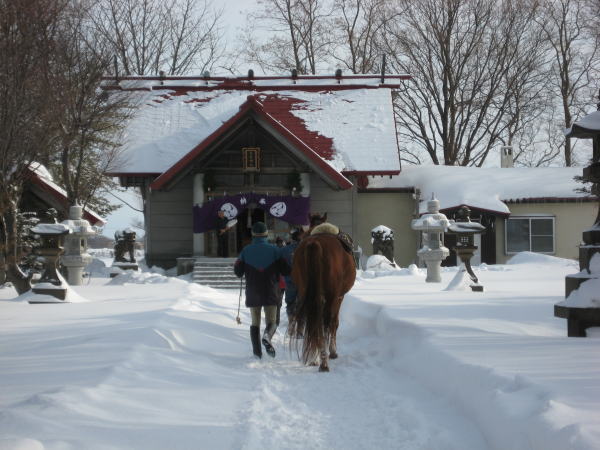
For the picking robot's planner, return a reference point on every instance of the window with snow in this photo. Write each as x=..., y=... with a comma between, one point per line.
x=529, y=234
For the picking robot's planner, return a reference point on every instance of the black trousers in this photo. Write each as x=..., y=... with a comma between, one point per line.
x=222, y=244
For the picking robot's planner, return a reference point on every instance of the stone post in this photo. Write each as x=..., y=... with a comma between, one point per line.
x=305, y=180
x=198, y=199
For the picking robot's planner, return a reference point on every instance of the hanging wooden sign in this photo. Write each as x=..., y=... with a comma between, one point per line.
x=251, y=159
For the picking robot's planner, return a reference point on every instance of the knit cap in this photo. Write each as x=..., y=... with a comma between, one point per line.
x=259, y=229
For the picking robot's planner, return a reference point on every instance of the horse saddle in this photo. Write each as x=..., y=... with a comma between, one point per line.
x=346, y=241
x=343, y=237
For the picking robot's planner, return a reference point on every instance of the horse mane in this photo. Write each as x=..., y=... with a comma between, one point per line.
x=325, y=228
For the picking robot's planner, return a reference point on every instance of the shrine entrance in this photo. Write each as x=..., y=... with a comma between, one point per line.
x=276, y=227
x=241, y=234
x=247, y=209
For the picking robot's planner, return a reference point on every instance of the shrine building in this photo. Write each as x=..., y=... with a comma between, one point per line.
x=270, y=149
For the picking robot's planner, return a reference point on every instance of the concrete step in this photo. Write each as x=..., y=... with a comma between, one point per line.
x=228, y=270
x=200, y=277
x=216, y=273
x=213, y=265
x=221, y=285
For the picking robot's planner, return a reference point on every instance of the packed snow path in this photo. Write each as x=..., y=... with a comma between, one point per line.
x=157, y=373
x=152, y=362
x=365, y=403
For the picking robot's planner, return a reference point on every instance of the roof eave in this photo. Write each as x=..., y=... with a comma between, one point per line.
x=88, y=214
x=577, y=131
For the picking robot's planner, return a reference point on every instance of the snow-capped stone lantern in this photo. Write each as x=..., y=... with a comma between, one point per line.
x=582, y=313
x=51, y=282
x=76, y=257
x=465, y=232
x=432, y=225
x=382, y=239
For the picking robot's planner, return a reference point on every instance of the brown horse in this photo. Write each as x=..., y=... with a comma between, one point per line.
x=316, y=219
x=323, y=273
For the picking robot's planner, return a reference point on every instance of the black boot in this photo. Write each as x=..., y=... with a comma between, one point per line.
x=255, y=337
x=266, y=340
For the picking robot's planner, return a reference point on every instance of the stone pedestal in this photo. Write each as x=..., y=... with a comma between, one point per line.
x=578, y=319
x=118, y=268
x=433, y=260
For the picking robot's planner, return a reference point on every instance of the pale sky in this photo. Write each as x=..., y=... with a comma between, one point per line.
x=234, y=16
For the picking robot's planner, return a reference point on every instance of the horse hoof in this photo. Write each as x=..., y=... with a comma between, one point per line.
x=323, y=369
x=333, y=355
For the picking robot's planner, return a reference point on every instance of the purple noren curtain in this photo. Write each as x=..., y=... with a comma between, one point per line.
x=284, y=207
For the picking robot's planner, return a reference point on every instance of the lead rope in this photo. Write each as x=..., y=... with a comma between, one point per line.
x=237, y=319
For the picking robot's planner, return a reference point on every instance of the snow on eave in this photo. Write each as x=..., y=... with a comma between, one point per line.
x=486, y=189
x=41, y=174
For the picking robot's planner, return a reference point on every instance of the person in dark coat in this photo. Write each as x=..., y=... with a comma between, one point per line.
x=291, y=292
x=262, y=265
x=222, y=238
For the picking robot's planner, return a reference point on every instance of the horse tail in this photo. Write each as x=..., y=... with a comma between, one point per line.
x=310, y=313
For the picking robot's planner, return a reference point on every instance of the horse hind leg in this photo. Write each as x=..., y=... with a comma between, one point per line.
x=324, y=367
x=333, y=339
x=335, y=322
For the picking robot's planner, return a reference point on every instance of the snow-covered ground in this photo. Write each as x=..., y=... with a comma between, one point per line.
x=155, y=362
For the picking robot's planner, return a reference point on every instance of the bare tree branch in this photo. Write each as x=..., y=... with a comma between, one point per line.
x=476, y=64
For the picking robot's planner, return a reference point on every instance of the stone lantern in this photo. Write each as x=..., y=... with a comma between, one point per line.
x=76, y=257
x=51, y=283
x=465, y=232
x=432, y=224
x=579, y=318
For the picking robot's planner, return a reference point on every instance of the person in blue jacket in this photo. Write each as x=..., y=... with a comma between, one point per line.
x=262, y=265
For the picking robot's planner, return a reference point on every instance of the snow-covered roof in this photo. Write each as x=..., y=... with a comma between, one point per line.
x=51, y=228
x=349, y=127
x=43, y=178
x=483, y=188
